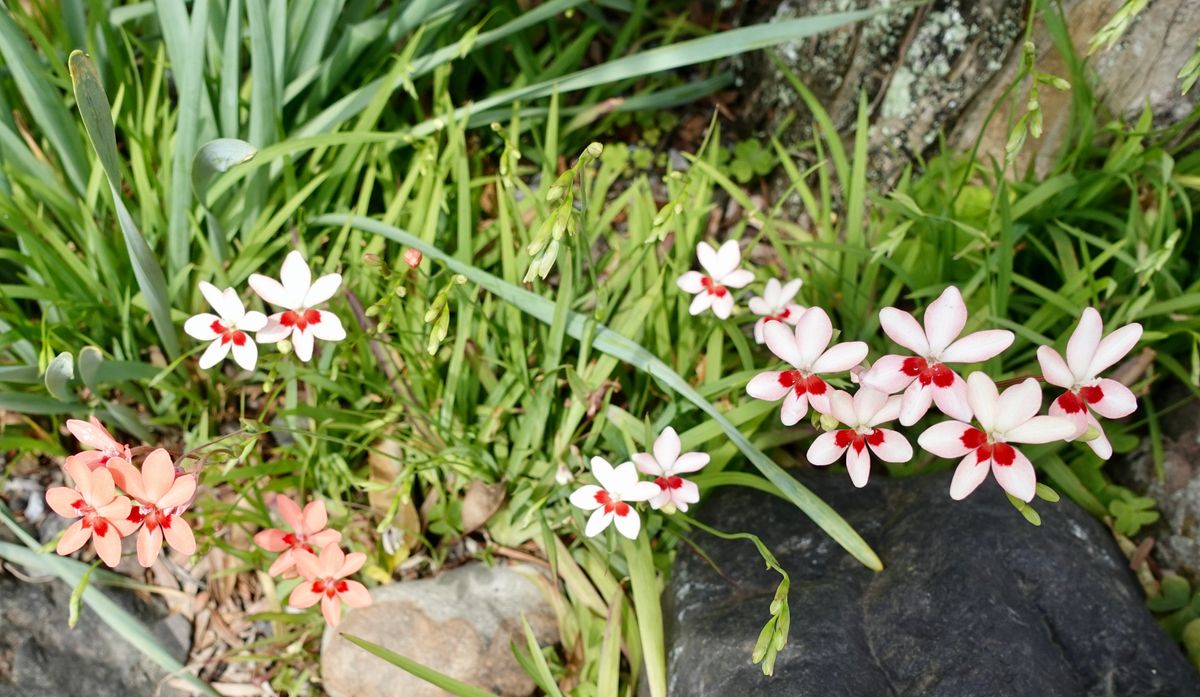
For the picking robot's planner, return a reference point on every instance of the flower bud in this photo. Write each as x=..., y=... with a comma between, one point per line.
x=284, y=347
x=412, y=257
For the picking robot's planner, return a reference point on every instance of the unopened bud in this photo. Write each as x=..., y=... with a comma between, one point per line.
x=412, y=257
x=828, y=423
x=284, y=347
x=1092, y=433
x=668, y=508
x=563, y=476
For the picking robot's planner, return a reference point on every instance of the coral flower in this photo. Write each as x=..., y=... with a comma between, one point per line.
x=776, y=305
x=665, y=464
x=325, y=581
x=610, y=501
x=298, y=295
x=711, y=288
x=925, y=377
x=861, y=414
x=227, y=330
x=308, y=532
x=93, y=434
x=807, y=349
x=1003, y=419
x=98, y=508
x=160, y=498
x=1090, y=353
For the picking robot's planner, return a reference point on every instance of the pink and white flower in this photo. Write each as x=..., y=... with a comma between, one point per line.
x=808, y=351
x=925, y=377
x=98, y=509
x=861, y=414
x=227, y=330
x=160, y=497
x=1090, y=353
x=325, y=581
x=1011, y=417
x=776, y=305
x=721, y=273
x=298, y=295
x=308, y=531
x=93, y=434
x=665, y=464
x=610, y=501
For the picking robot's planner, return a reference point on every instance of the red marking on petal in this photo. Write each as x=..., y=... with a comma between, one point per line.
x=79, y=505
x=942, y=376
x=844, y=438
x=165, y=520
x=781, y=316
x=792, y=378
x=136, y=515
x=239, y=339
x=815, y=385
x=913, y=365
x=973, y=438
x=665, y=483
x=293, y=319
x=1091, y=395
x=341, y=586
x=1003, y=454
x=101, y=527
x=712, y=287
x=603, y=498
x=875, y=437
x=621, y=509
x=318, y=586
x=859, y=445
x=312, y=316
x=1070, y=403
x=217, y=327
x=983, y=453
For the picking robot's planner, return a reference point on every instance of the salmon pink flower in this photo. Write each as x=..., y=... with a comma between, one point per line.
x=298, y=295
x=808, y=351
x=97, y=507
x=1090, y=353
x=1003, y=419
x=721, y=273
x=93, y=434
x=610, y=501
x=308, y=531
x=325, y=581
x=665, y=464
x=776, y=305
x=861, y=414
x=228, y=331
x=925, y=377
x=160, y=496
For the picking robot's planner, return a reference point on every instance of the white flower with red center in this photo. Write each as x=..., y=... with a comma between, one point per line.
x=308, y=531
x=93, y=434
x=298, y=295
x=227, y=330
x=160, y=495
x=808, y=351
x=925, y=377
x=325, y=582
x=776, y=305
x=861, y=415
x=665, y=464
x=1011, y=417
x=96, y=506
x=1090, y=353
x=721, y=273
x=609, y=502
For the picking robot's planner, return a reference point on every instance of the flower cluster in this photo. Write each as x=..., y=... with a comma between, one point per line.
x=296, y=293
x=154, y=500
x=619, y=487
x=324, y=575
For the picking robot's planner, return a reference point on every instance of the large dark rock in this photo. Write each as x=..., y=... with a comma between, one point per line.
x=974, y=602
x=41, y=657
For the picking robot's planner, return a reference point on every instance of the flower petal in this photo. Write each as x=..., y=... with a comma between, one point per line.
x=688, y=492
x=73, y=538
x=585, y=497
x=1018, y=478
x=945, y=319
x=813, y=334
x=315, y=517
x=355, y=595
x=181, y=492
x=149, y=544
x=840, y=357
x=760, y=306
x=81, y=475
x=296, y=276
x=640, y=491
x=978, y=346
x=647, y=464
x=1018, y=404
x=667, y=448
x=952, y=399
x=108, y=546
x=903, y=329
x=1079, y=417
x=700, y=303
x=158, y=474
x=92, y=434
x=624, y=476
x=824, y=450
x=325, y=537
x=691, y=282
x=893, y=448
x=858, y=463
x=1099, y=444
x=841, y=407
x=331, y=608
x=252, y=321
x=354, y=561
x=302, y=343
x=887, y=375
x=62, y=501
x=215, y=298
x=1054, y=368
x=629, y=524
x=1113, y=348
x=945, y=439
x=290, y=512
x=1084, y=342
x=766, y=386
x=598, y=521
x=273, y=331
x=867, y=403
x=307, y=564
x=983, y=396
x=729, y=257
x=969, y=474
x=179, y=535
x=303, y=596
x=272, y=292
x=604, y=473
x=1117, y=401
x=214, y=354
x=322, y=289
x=707, y=257
x=795, y=406
x=759, y=337
x=915, y=402
x=690, y=462
x=1042, y=429
x=271, y=540
x=890, y=411
x=245, y=354
x=738, y=279
x=782, y=341
x=200, y=327
x=104, y=490
x=722, y=305
x=284, y=564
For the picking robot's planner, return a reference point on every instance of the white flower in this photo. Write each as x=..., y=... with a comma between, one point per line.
x=298, y=295
x=610, y=501
x=712, y=289
x=861, y=414
x=228, y=330
x=776, y=305
x=665, y=464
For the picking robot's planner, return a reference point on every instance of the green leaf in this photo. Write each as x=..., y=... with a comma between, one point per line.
x=22, y=403
x=646, y=604
x=621, y=347
x=77, y=596
x=58, y=374
x=447, y=683
x=90, y=359
x=1173, y=594
x=97, y=118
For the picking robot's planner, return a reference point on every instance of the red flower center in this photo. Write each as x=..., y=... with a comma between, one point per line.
x=612, y=505
x=665, y=483
x=300, y=320
x=938, y=374
x=712, y=287
x=329, y=586
x=297, y=542
x=802, y=383
x=228, y=334
x=781, y=316
x=152, y=516
x=1001, y=453
x=850, y=438
x=1075, y=402
x=90, y=518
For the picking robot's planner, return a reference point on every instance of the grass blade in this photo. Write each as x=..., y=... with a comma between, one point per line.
x=447, y=683
x=622, y=348
x=648, y=607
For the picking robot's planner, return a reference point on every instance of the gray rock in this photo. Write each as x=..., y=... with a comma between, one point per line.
x=974, y=602
x=41, y=657
x=459, y=623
